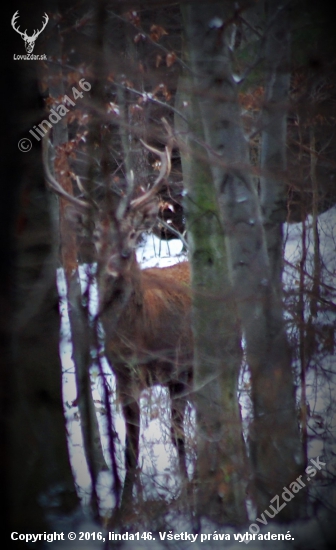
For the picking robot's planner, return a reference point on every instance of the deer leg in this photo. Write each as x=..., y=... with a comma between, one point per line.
x=178, y=404
x=131, y=412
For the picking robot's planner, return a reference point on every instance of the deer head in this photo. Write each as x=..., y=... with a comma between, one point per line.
x=29, y=40
x=136, y=216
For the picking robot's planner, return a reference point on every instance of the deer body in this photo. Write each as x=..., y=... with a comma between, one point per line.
x=154, y=327
x=151, y=344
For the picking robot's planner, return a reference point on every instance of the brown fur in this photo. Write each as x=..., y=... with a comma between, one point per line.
x=152, y=344
x=156, y=320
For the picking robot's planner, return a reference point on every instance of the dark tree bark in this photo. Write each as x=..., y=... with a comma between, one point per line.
x=38, y=484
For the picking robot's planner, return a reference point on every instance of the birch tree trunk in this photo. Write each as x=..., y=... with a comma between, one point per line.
x=221, y=460
x=65, y=237
x=275, y=447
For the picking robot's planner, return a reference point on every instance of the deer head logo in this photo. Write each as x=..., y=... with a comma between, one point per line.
x=29, y=40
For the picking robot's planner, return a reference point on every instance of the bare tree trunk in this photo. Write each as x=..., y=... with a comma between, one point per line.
x=221, y=461
x=274, y=437
x=274, y=134
x=317, y=256
x=273, y=199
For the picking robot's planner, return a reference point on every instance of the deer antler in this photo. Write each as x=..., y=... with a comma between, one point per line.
x=165, y=158
x=53, y=183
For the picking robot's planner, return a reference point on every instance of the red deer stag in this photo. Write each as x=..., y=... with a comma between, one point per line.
x=146, y=319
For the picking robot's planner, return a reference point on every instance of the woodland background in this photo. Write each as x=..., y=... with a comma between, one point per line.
x=249, y=91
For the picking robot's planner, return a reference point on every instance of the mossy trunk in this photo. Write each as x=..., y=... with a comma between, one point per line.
x=221, y=464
